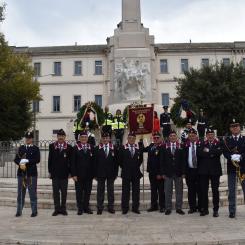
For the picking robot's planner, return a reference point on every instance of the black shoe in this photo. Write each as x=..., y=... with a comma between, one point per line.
x=152, y=209
x=232, y=215
x=79, y=212
x=162, y=210
x=180, y=211
x=168, y=212
x=34, y=214
x=111, y=211
x=88, y=211
x=204, y=212
x=64, y=212
x=18, y=214
x=99, y=212
x=136, y=211
x=215, y=214
x=124, y=212
x=191, y=211
x=55, y=213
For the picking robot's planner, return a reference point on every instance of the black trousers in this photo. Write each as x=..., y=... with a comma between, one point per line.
x=101, y=192
x=83, y=191
x=166, y=130
x=194, y=190
x=126, y=183
x=157, y=192
x=204, y=179
x=119, y=135
x=59, y=189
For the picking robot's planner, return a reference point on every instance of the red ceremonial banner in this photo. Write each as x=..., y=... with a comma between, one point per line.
x=141, y=119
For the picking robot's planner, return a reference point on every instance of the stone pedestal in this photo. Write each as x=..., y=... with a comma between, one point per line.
x=131, y=58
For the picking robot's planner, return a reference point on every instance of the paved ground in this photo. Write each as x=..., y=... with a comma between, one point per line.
x=154, y=228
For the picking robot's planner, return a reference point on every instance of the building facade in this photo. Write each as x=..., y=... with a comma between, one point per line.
x=70, y=76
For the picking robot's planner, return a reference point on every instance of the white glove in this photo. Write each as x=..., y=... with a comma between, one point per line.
x=236, y=157
x=24, y=161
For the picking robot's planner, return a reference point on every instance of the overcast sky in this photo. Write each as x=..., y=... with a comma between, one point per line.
x=64, y=22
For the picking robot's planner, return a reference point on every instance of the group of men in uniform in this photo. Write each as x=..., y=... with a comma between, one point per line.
x=169, y=161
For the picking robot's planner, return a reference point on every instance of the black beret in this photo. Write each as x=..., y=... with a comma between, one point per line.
x=210, y=130
x=83, y=133
x=192, y=131
x=156, y=134
x=132, y=134
x=105, y=134
x=61, y=132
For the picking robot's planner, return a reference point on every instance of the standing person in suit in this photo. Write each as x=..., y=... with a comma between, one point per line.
x=173, y=169
x=130, y=160
x=59, y=163
x=191, y=171
x=27, y=158
x=155, y=176
x=165, y=122
x=106, y=170
x=234, y=150
x=82, y=172
x=209, y=169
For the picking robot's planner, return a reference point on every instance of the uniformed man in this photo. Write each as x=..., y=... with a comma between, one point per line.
x=118, y=127
x=165, y=123
x=234, y=151
x=173, y=169
x=59, y=163
x=107, y=126
x=76, y=129
x=91, y=136
x=27, y=158
x=155, y=176
x=202, y=124
x=209, y=169
x=106, y=170
x=82, y=172
x=130, y=160
x=185, y=132
x=191, y=171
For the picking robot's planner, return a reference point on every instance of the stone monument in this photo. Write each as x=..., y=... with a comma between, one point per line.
x=131, y=59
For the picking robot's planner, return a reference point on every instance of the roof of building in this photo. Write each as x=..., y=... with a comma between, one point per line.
x=159, y=47
x=59, y=50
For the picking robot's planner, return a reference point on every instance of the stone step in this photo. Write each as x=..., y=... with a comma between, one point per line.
x=47, y=184
x=47, y=193
x=71, y=204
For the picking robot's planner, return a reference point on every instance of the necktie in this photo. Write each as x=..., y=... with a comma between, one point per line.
x=132, y=150
x=236, y=138
x=194, y=158
x=106, y=150
x=173, y=149
x=84, y=148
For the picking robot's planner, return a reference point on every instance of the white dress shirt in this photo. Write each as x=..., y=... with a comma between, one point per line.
x=190, y=163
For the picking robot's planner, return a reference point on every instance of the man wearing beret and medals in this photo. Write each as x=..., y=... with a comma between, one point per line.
x=209, y=169
x=106, y=171
x=82, y=172
x=130, y=160
x=59, y=164
x=155, y=177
